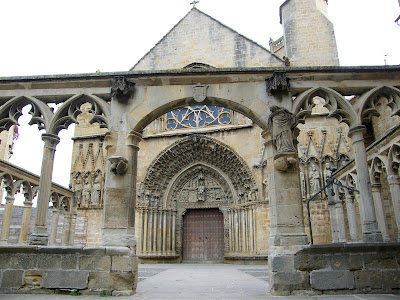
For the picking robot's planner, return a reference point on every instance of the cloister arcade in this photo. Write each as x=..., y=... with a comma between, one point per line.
x=277, y=100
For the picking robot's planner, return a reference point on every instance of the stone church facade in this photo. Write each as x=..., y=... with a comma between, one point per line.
x=210, y=148
x=178, y=169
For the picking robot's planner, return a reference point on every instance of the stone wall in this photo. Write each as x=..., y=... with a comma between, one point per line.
x=337, y=269
x=211, y=43
x=32, y=269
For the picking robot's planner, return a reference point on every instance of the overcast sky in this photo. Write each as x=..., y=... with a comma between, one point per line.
x=81, y=36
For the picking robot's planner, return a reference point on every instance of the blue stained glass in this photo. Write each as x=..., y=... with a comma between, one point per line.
x=198, y=116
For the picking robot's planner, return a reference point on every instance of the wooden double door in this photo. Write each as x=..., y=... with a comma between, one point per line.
x=203, y=235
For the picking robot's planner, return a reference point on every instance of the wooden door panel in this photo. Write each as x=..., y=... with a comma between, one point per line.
x=203, y=235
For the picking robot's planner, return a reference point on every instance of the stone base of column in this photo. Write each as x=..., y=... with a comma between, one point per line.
x=288, y=239
x=118, y=237
x=284, y=278
x=372, y=237
x=39, y=236
x=38, y=239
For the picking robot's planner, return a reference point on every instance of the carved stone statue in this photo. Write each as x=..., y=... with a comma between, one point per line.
x=96, y=192
x=78, y=191
x=282, y=122
x=327, y=172
x=86, y=193
x=314, y=180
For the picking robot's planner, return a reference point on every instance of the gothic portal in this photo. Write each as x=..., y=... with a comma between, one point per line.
x=198, y=201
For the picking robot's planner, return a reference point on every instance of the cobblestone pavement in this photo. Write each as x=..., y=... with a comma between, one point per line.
x=203, y=281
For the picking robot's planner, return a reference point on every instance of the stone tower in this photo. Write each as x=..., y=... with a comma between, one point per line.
x=308, y=33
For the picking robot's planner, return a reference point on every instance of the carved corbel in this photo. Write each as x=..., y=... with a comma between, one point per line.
x=119, y=165
x=278, y=84
x=122, y=89
x=285, y=163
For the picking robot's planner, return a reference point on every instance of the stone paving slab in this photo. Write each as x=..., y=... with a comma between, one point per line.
x=197, y=281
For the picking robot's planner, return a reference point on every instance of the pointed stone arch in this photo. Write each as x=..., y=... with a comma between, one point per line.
x=367, y=104
x=11, y=111
x=378, y=167
x=69, y=111
x=393, y=164
x=337, y=106
x=191, y=151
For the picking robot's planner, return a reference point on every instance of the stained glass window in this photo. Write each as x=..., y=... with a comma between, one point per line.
x=198, y=116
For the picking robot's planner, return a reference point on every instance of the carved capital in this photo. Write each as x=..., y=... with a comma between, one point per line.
x=50, y=140
x=122, y=89
x=119, y=165
x=134, y=139
x=282, y=123
x=278, y=84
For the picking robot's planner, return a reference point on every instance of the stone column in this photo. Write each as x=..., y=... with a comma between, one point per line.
x=394, y=183
x=337, y=216
x=26, y=218
x=145, y=229
x=54, y=225
x=230, y=231
x=173, y=232
x=164, y=233
x=120, y=189
x=380, y=214
x=287, y=235
x=72, y=229
x=40, y=236
x=351, y=216
x=237, y=230
x=66, y=229
x=150, y=231
x=169, y=233
x=5, y=228
x=370, y=229
x=286, y=212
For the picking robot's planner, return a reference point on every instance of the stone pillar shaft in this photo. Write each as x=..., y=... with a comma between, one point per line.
x=351, y=217
x=39, y=236
x=144, y=232
x=54, y=225
x=66, y=229
x=26, y=218
x=394, y=184
x=173, y=232
x=370, y=229
x=380, y=214
x=337, y=216
x=120, y=189
x=72, y=229
x=164, y=233
x=7, y=218
x=286, y=211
